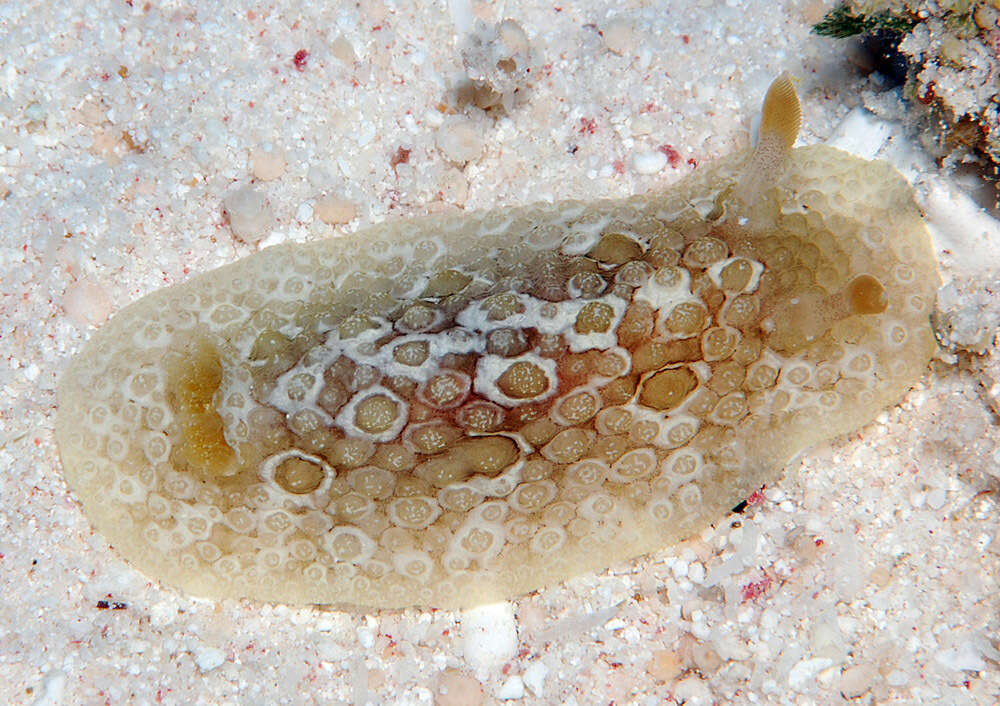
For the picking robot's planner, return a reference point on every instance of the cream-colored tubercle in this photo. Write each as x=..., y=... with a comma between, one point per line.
x=781, y=117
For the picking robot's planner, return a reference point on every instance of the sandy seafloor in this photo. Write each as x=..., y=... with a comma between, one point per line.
x=869, y=572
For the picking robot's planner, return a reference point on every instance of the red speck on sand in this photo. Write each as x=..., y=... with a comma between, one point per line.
x=402, y=156
x=673, y=156
x=928, y=95
x=300, y=59
x=755, y=589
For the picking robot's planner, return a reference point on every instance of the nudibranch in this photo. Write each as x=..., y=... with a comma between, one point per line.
x=461, y=409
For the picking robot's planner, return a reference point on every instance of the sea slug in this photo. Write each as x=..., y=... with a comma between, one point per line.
x=460, y=409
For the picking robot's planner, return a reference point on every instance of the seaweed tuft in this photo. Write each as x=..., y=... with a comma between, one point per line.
x=841, y=22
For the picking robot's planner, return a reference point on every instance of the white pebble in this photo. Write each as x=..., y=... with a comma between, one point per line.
x=250, y=215
x=937, y=498
x=87, y=303
x=342, y=49
x=696, y=572
x=366, y=637
x=897, y=677
x=459, y=140
x=490, y=636
x=461, y=15
x=614, y=624
x=268, y=163
x=34, y=112
x=304, y=212
x=825, y=678
x=52, y=691
x=857, y=679
x=620, y=36
x=512, y=688
x=806, y=670
x=534, y=677
x=162, y=614
x=692, y=692
x=208, y=658
x=966, y=657
x=334, y=210
x=52, y=68
x=648, y=162
x=513, y=37
x=701, y=629
x=642, y=125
